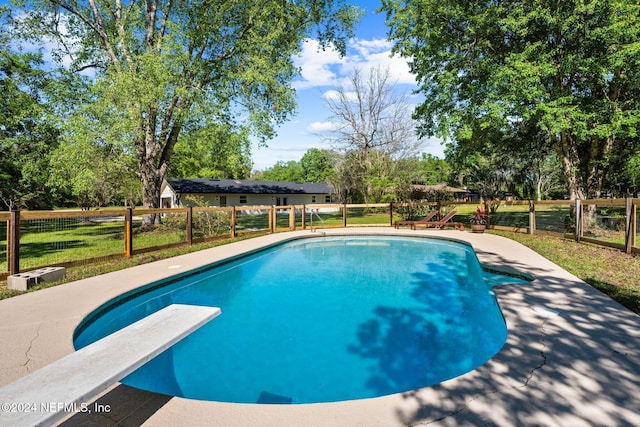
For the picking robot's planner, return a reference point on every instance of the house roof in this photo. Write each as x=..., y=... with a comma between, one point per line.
x=236, y=186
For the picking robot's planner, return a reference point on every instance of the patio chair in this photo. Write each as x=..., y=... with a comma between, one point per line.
x=410, y=223
x=443, y=222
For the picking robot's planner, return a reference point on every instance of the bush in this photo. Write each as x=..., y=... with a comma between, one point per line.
x=411, y=212
x=210, y=224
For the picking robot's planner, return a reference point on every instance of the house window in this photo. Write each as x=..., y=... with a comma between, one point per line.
x=313, y=199
x=223, y=201
x=327, y=199
x=243, y=199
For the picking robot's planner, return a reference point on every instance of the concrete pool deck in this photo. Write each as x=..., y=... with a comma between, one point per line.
x=572, y=356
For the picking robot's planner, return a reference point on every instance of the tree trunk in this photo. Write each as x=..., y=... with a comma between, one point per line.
x=566, y=149
x=539, y=187
x=589, y=187
x=153, y=150
x=151, y=183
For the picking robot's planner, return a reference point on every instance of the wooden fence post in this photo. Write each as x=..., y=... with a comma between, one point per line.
x=189, y=229
x=292, y=217
x=486, y=212
x=532, y=217
x=390, y=214
x=578, y=230
x=233, y=222
x=128, y=235
x=272, y=219
x=344, y=215
x=304, y=217
x=630, y=225
x=8, y=231
x=13, y=244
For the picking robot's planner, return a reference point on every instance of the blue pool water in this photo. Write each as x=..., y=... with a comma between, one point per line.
x=319, y=320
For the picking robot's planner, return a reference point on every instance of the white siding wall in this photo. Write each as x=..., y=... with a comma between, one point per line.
x=251, y=199
x=168, y=193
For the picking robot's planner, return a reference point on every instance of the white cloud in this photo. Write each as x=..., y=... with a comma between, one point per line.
x=326, y=68
x=398, y=67
x=315, y=65
x=321, y=127
x=374, y=44
x=331, y=94
x=334, y=95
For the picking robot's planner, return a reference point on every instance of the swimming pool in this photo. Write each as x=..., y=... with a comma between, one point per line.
x=319, y=320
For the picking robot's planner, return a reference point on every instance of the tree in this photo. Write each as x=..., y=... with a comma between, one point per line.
x=372, y=114
x=518, y=160
x=315, y=166
x=372, y=127
x=348, y=181
x=163, y=65
x=284, y=171
x=546, y=177
x=213, y=151
x=318, y=165
x=537, y=168
x=632, y=171
x=568, y=68
x=426, y=169
x=364, y=178
x=93, y=166
x=92, y=171
x=26, y=136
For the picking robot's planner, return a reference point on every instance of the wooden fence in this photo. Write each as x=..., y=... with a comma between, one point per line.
x=71, y=238
x=606, y=222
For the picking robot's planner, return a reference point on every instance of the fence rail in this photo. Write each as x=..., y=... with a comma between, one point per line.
x=35, y=239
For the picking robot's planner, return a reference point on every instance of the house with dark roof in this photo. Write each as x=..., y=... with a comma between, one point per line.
x=175, y=192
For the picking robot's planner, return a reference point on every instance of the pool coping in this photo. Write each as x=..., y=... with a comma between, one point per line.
x=572, y=356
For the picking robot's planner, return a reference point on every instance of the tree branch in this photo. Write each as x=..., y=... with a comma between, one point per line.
x=97, y=27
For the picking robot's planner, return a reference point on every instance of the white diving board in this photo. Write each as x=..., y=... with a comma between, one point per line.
x=68, y=384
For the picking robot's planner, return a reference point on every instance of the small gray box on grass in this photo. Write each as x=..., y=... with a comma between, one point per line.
x=23, y=281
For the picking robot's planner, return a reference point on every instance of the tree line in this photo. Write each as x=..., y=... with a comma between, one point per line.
x=544, y=80
x=536, y=99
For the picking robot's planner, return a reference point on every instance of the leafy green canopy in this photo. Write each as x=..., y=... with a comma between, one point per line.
x=213, y=151
x=568, y=70
x=316, y=165
x=26, y=138
x=164, y=66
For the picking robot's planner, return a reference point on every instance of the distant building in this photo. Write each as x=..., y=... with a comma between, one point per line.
x=234, y=192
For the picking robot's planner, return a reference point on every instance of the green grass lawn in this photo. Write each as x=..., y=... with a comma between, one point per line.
x=47, y=242
x=548, y=217
x=611, y=271
x=355, y=216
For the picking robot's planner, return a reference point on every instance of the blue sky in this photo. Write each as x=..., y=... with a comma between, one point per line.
x=322, y=72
